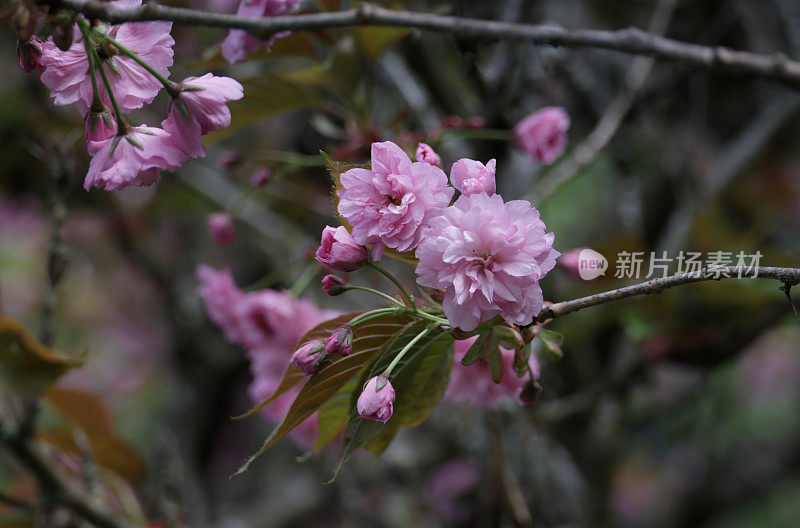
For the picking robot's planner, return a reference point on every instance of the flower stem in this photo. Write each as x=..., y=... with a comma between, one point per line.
x=375, y=292
x=169, y=85
x=97, y=103
x=373, y=314
x=405, y=349
x=385, y=272
x=122, y=125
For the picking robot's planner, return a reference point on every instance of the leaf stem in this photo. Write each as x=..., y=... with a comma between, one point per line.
x=374, y=292
x=380, y=269
x=373, y=314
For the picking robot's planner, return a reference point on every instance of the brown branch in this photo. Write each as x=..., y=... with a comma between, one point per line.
x=790, y=276
x=632, y=40
x=54, y=489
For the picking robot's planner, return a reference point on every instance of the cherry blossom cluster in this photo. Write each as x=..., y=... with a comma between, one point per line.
x=109, y=71
x=482, y=256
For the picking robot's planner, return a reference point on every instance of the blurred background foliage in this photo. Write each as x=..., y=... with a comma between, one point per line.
x=678, y=409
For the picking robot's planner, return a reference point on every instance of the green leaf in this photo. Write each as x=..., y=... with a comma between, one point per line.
x=334, y=374
x=334, y=413
x=376, y=40
x=496, y=366
x=475, y=352
x=552, y=342
x=27, y=366
x=419, y=381
x=521, y=357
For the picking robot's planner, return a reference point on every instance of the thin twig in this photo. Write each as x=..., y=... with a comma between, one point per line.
x=790, y=276
x=631, y=40
x=787, y=289
x=588, y=149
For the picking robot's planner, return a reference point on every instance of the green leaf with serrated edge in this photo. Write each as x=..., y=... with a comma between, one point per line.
x=293, y=375
x=336, y=168
x=552, y=342
x=334, y=413
x=475, y=351
x=419, y=381
x=521, y=357
x=368, y=339
x=496, y=366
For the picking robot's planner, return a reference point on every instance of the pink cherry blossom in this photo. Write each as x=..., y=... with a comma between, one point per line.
x=239, y=43
x=220, y=297
x=543, y=134
x=134, y=159
x=472, y=177
x=389, y=204
x=339, y=250
x=473, y=383
x=340, y=341
x=426, y=153
x=488, y=257
x=67, y=72
x=376, y=403
x=221, y=229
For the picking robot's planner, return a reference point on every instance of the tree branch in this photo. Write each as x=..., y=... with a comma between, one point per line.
x=790, y=276
x=632, y=40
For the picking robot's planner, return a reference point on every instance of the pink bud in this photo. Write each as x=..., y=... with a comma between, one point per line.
x=475, y=122
x=473, y=177
x=543, y=134
x=333, y=285
x=100, y=125
x=452, y=121
x=376, y=401
x=229, y=160
x=30, y=53
x=340, y=342
x=261, y=177
x=220, y=228
x=339, y=250
x=425, y=153
x=307, y=357
x=570, y=262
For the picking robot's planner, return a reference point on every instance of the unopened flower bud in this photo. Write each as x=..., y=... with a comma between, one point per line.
x=261, y=177
x=543, y=134
x=220, y=228
x=530, y=392
x=340, y=342
x=29, y=52
x=229, y=160
x=340, y=251
x=377, y=400
x=100, y=125
x=452, y=121
x=308, y=357
x=333, y=285
x=475, y=121
x=509, y=335
x=426, y=153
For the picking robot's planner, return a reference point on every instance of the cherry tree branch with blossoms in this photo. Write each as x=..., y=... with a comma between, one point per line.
x=632, y=40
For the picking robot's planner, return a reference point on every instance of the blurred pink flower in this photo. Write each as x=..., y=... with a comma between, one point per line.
x=261, y=177
x=67, y=72
x=134, y=159
x=473, y=177
x=389, y=204
x=228, y=159
x=220, y=296
x=339, y=250
x=376, y=403
x=543, y=134
x=426, y=153
x=447, y=487
x=473, y=384
x=221, y=229
x=239, y=43
x=488, y=257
